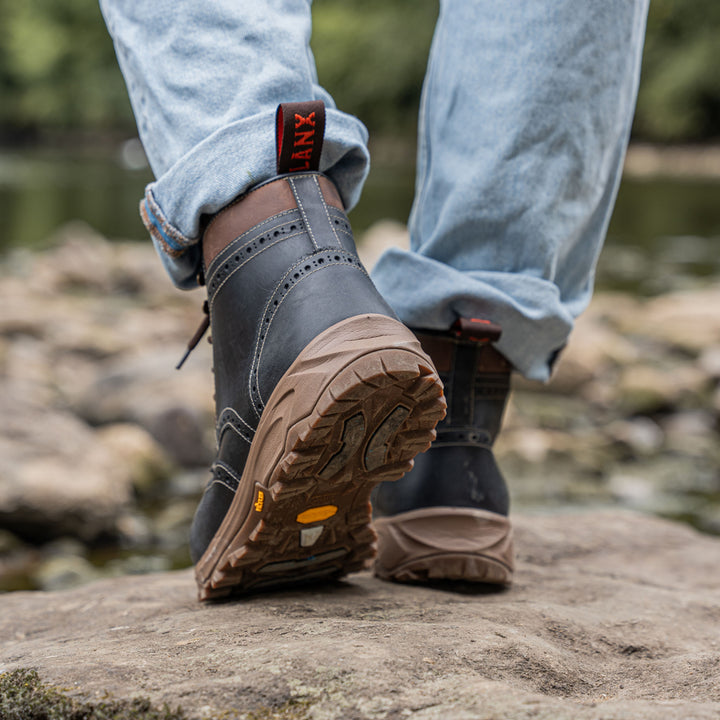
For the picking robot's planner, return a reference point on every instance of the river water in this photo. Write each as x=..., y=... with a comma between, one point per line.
x=663, y=233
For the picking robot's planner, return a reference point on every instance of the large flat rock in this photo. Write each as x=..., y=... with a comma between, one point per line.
x=613, y=615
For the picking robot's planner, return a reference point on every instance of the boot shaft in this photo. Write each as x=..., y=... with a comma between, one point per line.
x=274, y=287
x=476, y=378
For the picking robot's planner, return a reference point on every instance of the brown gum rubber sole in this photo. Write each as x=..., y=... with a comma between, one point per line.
x=353, y=410
x=444, y=543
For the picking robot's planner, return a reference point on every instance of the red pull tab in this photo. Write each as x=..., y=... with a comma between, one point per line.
x=299, y=128
x=476, y=329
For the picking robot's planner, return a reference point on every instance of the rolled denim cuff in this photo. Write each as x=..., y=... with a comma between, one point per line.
x=229, y=163
x=535, y=322
x=165, y=236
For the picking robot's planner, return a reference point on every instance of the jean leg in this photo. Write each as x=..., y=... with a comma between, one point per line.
x=524, y=124
x=204, y=80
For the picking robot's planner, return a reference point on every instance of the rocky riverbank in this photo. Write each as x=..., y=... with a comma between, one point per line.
x=104, y=446
x=613, y=616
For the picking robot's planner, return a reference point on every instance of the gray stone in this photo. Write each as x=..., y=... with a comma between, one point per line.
x=613, y=616
x=709, y=361
x=594, y=350
x=56, y=478
x=63, y=572
x=646, y=388
x=145, y=461
x=175, y=407
x=641, y=435
x=687, y=320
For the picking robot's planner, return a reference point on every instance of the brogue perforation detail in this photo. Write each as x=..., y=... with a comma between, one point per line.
x=224, y=475
x=342, y=226
x=304, y=268
x=267, y=225
x=244, y=251
x=229, y=418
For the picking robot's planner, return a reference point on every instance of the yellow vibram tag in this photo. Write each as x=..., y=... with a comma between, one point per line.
x=316, y=514
x=260, y=500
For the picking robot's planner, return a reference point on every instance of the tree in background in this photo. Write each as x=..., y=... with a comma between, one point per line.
x=679, y=98
x=58, y=69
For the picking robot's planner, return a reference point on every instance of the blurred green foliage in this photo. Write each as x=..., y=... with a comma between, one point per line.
x=371, y=56
x=58, y=70
x=679, y=96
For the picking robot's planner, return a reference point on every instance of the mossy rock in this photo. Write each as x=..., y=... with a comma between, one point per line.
x=23, y=696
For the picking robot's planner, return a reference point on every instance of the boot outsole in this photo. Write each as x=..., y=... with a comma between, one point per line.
x=443, y=543
x=353, y=410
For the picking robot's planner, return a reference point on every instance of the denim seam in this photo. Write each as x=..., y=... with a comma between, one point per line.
x=423, y=142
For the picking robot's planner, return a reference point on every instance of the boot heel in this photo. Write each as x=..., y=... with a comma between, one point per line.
x=445, y=544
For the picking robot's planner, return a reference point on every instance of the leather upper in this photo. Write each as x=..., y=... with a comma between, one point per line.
x=271, y=290
x=459, y=469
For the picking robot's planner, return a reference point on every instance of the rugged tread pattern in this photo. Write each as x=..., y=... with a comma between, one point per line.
x=459, y=544
x=302, y=460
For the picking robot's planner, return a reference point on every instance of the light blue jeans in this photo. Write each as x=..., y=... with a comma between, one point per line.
x=524, y=123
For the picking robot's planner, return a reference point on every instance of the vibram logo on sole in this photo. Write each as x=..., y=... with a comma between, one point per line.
x=316, y=514
x=260, y=501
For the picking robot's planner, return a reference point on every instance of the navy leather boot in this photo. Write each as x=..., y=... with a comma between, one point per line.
x=321, y=393
x=447, y=518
